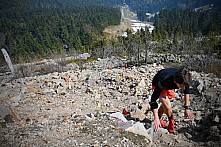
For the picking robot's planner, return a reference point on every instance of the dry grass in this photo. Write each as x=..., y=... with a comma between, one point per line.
x=118, y=30
x=216, y=69
x=91, y=59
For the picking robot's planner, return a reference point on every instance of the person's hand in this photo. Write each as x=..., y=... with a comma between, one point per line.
x=189, y=114
x=156, y=124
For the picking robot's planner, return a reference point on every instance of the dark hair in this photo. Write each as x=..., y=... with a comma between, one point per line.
x=183, y=76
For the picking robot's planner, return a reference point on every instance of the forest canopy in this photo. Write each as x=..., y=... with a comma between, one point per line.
x=188, y=22
x=141, y=7
x=43, y=27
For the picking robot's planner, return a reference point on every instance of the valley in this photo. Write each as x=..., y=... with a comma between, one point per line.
x=128, y=21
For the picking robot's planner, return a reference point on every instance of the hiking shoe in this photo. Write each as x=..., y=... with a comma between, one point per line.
x=170, y=127
x=163, y=124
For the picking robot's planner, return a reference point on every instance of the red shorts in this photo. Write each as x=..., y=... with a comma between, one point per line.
x=170, y=93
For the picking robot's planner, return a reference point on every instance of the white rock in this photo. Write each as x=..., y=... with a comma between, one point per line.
x=138, y=128
x=119, y=116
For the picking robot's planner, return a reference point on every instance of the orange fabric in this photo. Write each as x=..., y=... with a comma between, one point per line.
x=169, y=93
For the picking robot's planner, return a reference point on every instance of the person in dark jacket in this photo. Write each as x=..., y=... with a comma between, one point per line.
x=163, y=84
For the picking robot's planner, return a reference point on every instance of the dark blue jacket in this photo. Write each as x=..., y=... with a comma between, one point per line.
x=164, y=80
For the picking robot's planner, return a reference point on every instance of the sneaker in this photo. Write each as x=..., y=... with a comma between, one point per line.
x=170, y=127
x=163, y=124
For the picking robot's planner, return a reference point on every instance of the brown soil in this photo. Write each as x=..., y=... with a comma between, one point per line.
x=118, y=30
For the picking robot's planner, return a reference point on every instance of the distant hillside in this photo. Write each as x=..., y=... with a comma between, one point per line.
x=153, y=6
x=40, y=28
x=189, y=17
x=55, y=3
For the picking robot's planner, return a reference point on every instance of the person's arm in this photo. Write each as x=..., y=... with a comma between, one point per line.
x=154, y=107
x=156, y=120
x=186, y=99
x=187, y=111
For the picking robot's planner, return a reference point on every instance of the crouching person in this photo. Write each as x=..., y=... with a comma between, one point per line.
x=163, y=84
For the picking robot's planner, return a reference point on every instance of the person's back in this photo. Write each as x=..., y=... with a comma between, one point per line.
x=163, y=84
x=164, y=77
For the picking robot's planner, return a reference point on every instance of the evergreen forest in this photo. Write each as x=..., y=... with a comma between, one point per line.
x=141, y=7
x=38, y=29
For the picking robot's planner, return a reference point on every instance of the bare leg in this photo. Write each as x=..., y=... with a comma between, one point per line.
x=161, y=111
x=165, y=106
x=167, y=109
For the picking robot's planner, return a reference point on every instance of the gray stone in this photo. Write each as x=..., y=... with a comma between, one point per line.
x=4, y=111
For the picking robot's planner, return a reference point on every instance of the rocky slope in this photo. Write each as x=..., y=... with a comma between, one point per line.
x=77, y=108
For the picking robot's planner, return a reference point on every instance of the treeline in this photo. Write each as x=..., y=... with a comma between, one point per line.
x=42, y=28
x=141, y=7
x=187, y=22
x=8, y=4
x=57, y=27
